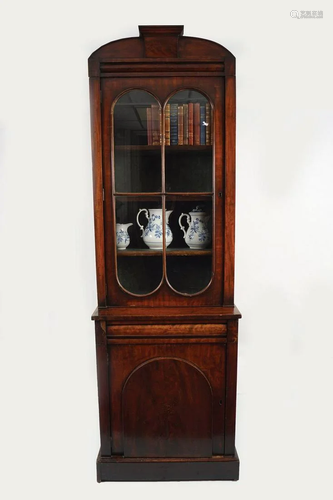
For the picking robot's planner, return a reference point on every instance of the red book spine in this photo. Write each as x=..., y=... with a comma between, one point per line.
x=185, y=107
x=190, y=123
x=196, y=121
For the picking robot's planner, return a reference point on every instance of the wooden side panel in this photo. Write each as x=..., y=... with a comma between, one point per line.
x=96, y=144
x=231, y=388
x=103, y=387
x=229, y=225
x=167, y=411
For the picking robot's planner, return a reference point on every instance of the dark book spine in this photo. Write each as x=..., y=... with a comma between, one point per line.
x=180, y=125
x=167, y=125
x=185, y=107
x=149, y=127
x=173, y=124
x=208, y=121
x=196, y=124
x=190, y=124
x=202, y=125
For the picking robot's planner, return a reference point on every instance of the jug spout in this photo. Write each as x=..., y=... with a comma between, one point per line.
x=167, y=214
x=126, y=226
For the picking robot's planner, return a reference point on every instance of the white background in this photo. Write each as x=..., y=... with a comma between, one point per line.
x=284, y=269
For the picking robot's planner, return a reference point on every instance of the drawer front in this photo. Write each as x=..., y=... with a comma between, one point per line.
x=171, y=331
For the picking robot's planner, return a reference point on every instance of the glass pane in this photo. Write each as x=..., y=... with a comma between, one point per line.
x=188, y=143
x=137, y=150
x=139, y=253
x=189, y=256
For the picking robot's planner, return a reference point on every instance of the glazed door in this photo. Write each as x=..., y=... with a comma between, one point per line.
x=167, y=399
x=163, y=172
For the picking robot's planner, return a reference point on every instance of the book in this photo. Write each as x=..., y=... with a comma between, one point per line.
x=149, y=137
x=185, y=108
x=208, y=121
x=155, y=124
x=202, y=125
x=196, y=124
x=173, y=124
x=180, y=125
x=190, y=124
x=167, y=125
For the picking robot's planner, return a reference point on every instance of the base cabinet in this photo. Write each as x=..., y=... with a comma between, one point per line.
x=165, y=387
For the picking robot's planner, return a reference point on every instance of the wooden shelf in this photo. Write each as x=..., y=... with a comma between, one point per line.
x=138, y=148
x=177, y=148
x=193, y=196
x=172, y=252
x=141, y=197
x=169, y=194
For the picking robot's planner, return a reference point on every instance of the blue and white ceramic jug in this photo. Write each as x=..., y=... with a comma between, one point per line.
x=198, y=234
x=123, y=239
x=152, y=234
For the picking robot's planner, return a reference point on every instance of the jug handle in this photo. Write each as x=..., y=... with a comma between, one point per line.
x=188, y=220
x=137, y=219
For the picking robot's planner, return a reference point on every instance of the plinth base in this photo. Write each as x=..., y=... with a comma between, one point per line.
x=168, y=469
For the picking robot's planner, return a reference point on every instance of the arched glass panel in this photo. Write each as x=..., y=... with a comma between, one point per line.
x=137, y=191
x=189, y=190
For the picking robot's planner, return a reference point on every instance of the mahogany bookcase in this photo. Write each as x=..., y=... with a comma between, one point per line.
x=163, y=137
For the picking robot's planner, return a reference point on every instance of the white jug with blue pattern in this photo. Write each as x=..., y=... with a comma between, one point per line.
x=152, y=234
x=123, y=239
x=198, y=234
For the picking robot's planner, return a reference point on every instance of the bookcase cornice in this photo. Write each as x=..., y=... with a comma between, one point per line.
x=157, y=44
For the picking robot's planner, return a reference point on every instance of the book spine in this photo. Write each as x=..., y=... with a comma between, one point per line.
x=180, y=125
x=190, y=124
x=149, y=138
x=173, y=124
x=167, y=125
x=196, y=123
x=208, y=121
x=185, y=107
x=155, y=123
x=202, y=125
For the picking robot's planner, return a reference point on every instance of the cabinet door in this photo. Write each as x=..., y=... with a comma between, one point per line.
x=163, y=187
x=167, y=400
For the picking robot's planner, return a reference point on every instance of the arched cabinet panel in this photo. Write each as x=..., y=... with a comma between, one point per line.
x=167, y=395
x=167, y=411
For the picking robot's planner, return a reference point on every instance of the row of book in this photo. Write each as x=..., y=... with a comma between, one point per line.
x=185, y=124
